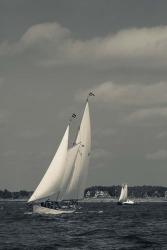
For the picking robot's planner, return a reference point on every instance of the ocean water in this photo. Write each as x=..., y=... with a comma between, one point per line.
x=94, y=226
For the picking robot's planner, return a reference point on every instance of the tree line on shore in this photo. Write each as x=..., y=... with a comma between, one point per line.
x=113, y=191
x=135, y=191
x=22, y=194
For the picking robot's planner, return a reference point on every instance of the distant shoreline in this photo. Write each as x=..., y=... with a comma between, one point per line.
x=144, y=193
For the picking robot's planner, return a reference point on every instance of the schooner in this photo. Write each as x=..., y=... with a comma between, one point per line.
x=65, y=178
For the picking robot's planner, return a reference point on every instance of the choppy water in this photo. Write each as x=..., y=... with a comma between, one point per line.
x=95, y=226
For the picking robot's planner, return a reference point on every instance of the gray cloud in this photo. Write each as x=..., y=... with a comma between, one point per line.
x=107, y=132
x=100, y=153
x=161, y=154
x=55, y=45
x=137, y=95
x=161, y=135
x=148, y=114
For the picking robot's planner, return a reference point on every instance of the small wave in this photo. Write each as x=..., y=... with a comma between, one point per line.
x=101, y=231
x=140, y=240
x=95, y=211
x=28, y=213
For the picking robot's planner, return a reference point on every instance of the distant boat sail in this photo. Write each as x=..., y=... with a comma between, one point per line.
x=65, y=178
x=123, y=199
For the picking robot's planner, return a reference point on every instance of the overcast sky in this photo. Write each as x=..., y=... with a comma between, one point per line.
x=51, y=54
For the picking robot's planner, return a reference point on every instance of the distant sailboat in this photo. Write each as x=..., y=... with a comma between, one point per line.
x=65, y=179
x=123, y=199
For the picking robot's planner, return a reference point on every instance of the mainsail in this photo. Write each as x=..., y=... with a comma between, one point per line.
x=77, y=184
x=71, y=157
x=124, y=193
x=51, y=182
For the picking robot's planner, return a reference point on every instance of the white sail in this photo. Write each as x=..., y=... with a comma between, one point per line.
x=78, y=181
x=124, y=193
x=69, y=169
x=51, y=182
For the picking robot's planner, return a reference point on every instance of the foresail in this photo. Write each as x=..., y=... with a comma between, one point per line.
x=122, y=194
x=78, y=181
x=50, y=183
